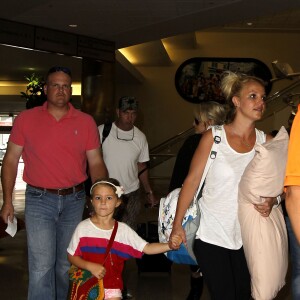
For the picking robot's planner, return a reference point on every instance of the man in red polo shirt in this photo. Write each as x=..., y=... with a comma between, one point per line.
x=56, y=142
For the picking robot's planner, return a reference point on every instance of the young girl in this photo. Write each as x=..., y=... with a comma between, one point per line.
x=89, y=241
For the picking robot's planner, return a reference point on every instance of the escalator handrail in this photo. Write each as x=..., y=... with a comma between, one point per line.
x=172, y=140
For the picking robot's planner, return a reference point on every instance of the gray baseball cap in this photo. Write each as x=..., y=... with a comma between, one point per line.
x=128, y=103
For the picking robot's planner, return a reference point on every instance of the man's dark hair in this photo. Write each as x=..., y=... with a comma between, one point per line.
x=59, y=69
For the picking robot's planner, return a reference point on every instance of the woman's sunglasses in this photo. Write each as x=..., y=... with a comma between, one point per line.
x=197, y=122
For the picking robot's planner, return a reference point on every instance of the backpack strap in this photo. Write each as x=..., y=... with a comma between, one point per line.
x=217, y=133
x=106, y=131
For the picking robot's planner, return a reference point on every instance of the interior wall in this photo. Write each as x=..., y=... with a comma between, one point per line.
x=98, y=89
x=14, y=72
x=163, y=113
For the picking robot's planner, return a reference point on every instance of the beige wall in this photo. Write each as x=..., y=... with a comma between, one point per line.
x=163, y=113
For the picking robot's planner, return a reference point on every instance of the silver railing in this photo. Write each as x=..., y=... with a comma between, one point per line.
x=169, y=148
x=283, y=71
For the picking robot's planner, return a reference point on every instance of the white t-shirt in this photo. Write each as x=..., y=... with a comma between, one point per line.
x=90, y=243
x=122, y=152
x=86, y=234
x=219, y=223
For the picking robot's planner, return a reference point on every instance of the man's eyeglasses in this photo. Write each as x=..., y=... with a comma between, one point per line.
x=59, y=87
x=128, y=139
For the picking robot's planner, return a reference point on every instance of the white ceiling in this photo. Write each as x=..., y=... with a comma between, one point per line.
x=140, y=24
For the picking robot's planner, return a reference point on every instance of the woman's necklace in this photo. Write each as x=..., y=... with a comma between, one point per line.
x=242, y=140
x=245, y=143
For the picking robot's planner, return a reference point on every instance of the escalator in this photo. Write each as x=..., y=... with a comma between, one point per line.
x=168, y=149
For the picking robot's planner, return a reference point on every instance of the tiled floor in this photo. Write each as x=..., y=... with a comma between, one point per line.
x=144, y=286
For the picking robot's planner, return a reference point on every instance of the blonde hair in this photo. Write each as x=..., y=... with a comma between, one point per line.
x=231, y=85
x=211, y=112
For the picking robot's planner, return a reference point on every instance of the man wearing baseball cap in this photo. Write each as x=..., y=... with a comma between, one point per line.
x=125, y=153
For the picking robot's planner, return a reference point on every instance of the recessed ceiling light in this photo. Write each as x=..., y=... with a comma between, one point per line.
x=249, y=23
x=73, y=25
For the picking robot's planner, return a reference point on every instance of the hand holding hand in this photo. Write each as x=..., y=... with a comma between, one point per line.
x=176, y=240
x=177, y=237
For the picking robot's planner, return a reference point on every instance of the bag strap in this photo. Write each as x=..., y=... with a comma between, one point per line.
x=217, y=132
x=111, y=240
x=106, y=131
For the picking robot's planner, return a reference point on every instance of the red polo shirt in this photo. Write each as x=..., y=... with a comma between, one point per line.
x=54, y=152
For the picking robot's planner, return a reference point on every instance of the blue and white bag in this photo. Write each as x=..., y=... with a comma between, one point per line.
x=191, y=220
x=190, y=223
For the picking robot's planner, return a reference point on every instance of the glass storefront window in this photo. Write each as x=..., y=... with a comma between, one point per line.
x=6, y=123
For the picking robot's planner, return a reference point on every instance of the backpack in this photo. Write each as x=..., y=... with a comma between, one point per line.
x=191, y=220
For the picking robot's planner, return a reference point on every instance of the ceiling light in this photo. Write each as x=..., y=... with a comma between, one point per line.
x=73, y=25
x=249, y=23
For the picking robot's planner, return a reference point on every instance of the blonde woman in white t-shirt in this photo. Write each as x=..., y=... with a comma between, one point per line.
x=218, y=245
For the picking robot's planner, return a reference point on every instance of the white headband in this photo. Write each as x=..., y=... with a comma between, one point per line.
x=119, y=189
